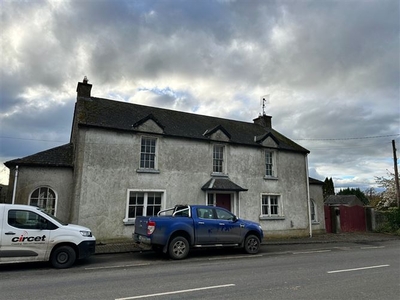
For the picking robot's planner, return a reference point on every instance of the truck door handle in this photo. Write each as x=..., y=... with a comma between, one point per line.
x=9, y=233
x=222, y=224
x=201, y=223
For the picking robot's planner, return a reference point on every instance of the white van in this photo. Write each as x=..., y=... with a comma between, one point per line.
x=28, y=234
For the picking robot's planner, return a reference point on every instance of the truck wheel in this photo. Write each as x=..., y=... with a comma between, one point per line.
x=63, y=257
x=178, y=248
x=252, y=244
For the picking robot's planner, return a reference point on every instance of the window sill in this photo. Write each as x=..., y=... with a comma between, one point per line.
x=129, y=222
x=266, y=177
x=267, y=218
x=315, y=223
x=149, y=171
x=214, y=174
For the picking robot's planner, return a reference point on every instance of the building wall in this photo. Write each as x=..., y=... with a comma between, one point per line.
x=106, y=167
x=316, y=194
x=290, y=184
x=31, y=178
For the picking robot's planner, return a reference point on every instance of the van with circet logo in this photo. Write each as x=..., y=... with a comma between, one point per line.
x=29, y=234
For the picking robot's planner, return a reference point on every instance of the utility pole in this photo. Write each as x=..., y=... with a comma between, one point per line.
x=396, y=173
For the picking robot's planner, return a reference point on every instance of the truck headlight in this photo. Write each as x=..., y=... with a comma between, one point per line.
x=86, y=233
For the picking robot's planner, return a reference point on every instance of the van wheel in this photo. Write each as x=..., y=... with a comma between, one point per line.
x=63, y=257
x=178, y=248
x=252, y=244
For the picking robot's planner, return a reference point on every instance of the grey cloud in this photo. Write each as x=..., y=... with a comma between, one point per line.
x=10, y=88
x=338, y=40
x=335, y=74
x=32, y=128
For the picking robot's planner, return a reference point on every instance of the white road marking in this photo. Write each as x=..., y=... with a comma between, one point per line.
x=177, y=292
x=343, y=248
x=312, y=251
x=358, y=269
x=115, y=267
x=372, y=247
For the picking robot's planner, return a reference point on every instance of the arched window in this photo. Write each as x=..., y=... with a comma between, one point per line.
x=314, y=218
x=45, y=198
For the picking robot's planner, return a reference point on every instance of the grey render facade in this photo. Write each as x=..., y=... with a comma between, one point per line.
x=125, y=160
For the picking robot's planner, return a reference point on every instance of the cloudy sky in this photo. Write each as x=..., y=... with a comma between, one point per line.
x=330, y=68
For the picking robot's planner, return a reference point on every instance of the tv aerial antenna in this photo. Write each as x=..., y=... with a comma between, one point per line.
x=264, y=100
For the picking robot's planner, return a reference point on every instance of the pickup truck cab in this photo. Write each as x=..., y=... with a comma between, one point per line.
x=29, y=234
x=176, y=230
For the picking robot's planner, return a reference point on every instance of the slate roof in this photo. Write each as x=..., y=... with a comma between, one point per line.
x=315, y=181
x=124, y=116
x=117, y=115
x=221, y=184
x=61, y=156
x=349, y=200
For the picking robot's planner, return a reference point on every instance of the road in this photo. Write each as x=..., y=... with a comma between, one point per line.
x=312, y=271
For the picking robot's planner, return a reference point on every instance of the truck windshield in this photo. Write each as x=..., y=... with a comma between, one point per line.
x=53, y=217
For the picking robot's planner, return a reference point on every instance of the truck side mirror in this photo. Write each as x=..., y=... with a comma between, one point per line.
x=235, y=219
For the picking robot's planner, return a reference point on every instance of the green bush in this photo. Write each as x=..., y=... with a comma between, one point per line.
x=393, y=218
x=392, y=221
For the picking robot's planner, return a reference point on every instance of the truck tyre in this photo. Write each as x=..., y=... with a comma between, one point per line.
x=63, y=257
x=178, y=248
x=252, y=244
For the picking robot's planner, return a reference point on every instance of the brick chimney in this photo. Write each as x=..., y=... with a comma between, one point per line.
x=83, y=89
x=264, y=120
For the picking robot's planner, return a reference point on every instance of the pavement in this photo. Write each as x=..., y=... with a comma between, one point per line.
x=349, y=237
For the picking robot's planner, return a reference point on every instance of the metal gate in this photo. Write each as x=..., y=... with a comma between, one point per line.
x=345, y=218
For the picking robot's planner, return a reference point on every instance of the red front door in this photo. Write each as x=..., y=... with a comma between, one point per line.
x=224, y=200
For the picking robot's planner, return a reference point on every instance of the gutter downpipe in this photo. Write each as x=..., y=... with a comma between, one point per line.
x=15, y=184
x=308, y=198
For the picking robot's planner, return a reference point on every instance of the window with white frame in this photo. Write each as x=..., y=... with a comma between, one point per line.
x=148, y=153
x=142, y=203
x=313, y=209
x=44, y=198
x=218, y=159
x=271, y=206
x=210, y=199
x=270, y=164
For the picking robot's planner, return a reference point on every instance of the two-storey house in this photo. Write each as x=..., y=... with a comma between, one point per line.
x=126, y=160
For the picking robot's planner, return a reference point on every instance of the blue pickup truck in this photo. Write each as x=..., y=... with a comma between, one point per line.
x=176, y=230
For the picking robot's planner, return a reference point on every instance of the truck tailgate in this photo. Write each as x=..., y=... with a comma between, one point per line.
x=141, y=225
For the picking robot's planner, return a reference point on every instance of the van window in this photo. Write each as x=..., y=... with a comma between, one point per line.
x=24, y=219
